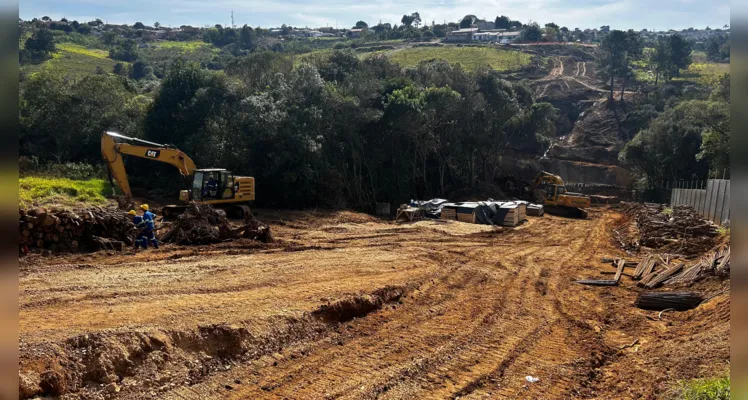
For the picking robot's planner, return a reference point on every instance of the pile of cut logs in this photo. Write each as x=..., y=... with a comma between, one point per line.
x=92, y=229
x=682, y=232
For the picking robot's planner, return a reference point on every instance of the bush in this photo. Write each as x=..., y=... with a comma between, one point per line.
x=30, y=166
x=705, y=389
x=35, y=190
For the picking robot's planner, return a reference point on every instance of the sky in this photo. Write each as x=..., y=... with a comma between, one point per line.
x=618, y=14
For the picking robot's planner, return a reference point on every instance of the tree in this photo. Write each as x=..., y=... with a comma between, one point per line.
x=62, y=119
x=42, y=40
x=416, y=19
x=715, y=138
x=247, y=38
x=156, y=24
x=468, y=21
x=668, y=148
x=361, y=25
x=406, y=20
x=440, y=31
x=611, y=57
x=109, y=37
x=680, y=54
x=124, y=51
x=46, y=18
x=75, y=25
x=84, y=29
x=532, y=33
x=634, y=51
x=502, y=22
x=64, y=20
x=138, y=70
x=60, y=26
x=671, y=55
x=138, y=25
x=551, y=31
x=119, y=69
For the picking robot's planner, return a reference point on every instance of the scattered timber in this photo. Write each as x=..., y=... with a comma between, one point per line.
x=658, y=301
x=598, y=282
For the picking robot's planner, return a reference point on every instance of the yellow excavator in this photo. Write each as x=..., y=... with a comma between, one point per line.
x=215, y=186
x=549, y=189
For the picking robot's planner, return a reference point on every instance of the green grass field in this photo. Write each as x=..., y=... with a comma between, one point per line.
x=36, y=191
x=469, y=57
x=185, y=46
x=701, y=71
x=75, y=60
x=705, y=73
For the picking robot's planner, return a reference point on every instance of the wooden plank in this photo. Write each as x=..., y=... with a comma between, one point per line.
x=598, y=282
x=640, y=268
x=664, y=275
x=621, y=265
x=647, y=277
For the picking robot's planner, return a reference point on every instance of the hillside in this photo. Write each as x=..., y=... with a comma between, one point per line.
x=518, y=109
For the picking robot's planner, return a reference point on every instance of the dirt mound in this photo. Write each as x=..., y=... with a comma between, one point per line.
x=681, y=232
x=203, y=224
x=359, y=306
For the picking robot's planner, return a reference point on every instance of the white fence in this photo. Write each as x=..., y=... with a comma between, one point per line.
x=710, y=198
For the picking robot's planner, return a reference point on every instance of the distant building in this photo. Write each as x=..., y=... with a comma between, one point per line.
x=507, y=37
x=356, y=32
x=461, y=35
x=190, y=29
x=485, y=25
x=502, y=37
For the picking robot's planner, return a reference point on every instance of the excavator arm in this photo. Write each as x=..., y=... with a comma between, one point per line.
x=113, y=151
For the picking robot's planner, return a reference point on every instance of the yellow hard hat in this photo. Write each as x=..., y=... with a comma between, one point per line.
x=144, y=206
x=132, y=212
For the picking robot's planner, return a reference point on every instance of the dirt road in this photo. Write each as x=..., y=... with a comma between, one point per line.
x=346, y=306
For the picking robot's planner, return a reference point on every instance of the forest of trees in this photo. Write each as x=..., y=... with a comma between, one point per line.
x=341, y=132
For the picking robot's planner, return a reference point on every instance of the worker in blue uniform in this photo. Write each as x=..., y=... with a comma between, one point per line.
x=140, y=239
x=149, y=230
x=211, y=187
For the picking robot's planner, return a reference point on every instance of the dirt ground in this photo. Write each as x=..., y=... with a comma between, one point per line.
x=343, y=305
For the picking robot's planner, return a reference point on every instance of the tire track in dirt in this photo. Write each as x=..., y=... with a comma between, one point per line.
x=489, y=308
x=472, y=339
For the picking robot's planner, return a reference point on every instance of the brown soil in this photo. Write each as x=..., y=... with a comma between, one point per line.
x=343, y=305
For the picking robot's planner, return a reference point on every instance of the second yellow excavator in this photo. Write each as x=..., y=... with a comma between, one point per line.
x=215, y=186
x=549, y=189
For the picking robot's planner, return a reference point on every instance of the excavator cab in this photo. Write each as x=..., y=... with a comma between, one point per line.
x=211, y=184
x=553, y=191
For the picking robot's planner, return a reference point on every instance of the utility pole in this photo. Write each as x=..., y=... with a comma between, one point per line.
x=232, y=19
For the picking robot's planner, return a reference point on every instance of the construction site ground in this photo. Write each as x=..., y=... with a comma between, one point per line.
x=344, y=305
